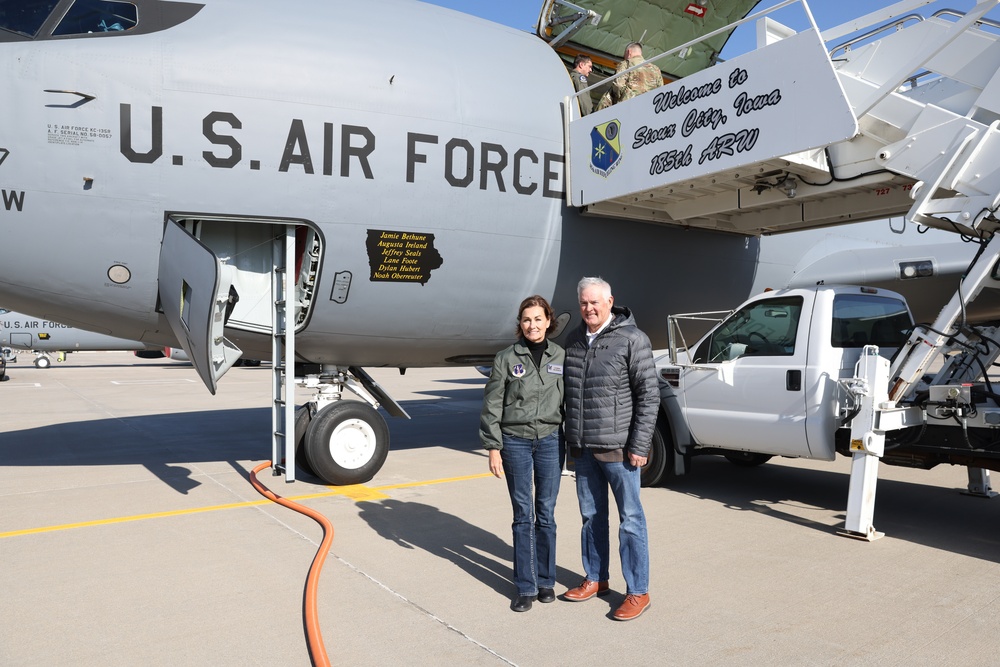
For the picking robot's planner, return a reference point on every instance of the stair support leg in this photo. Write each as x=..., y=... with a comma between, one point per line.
x=861, y=497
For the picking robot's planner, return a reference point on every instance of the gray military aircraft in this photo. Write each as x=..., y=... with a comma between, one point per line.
x=184, y=153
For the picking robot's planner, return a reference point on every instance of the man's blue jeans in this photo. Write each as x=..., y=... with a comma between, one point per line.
x=593, y=478
x=533, y=473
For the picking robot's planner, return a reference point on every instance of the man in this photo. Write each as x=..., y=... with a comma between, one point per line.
x=582, y=67
x=612, y=399
x=635, y=82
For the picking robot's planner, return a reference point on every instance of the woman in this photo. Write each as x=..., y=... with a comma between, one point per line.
x=520, y=427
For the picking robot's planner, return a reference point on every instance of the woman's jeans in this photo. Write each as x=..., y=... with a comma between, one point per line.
x=533, y=472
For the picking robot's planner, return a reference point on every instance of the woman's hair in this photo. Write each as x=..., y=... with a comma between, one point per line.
x=531, y=302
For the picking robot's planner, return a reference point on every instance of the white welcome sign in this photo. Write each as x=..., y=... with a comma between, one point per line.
x=778, y=100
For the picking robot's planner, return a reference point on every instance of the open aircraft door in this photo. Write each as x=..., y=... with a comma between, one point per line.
x=195, y=296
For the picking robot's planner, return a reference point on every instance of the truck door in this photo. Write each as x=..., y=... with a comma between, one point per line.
x=745, y=388
x=195, y=296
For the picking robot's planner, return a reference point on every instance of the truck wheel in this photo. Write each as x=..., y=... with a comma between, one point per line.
x=660, y=459
x=346, y=443
x=747, y=459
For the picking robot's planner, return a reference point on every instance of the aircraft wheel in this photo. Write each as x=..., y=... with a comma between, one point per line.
x=347, y=442
x=747, y=459
x=42, y=362
x=659, y=463
x=303, y=418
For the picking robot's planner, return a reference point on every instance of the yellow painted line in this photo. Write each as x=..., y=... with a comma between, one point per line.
x=406, y=485
x=125, y=519
x=355, y=492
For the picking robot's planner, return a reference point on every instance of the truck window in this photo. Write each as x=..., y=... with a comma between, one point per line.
x=863, y=319
x=761, y=329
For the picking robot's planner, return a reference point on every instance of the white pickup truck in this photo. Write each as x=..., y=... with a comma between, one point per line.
x=836, y=369
x=765, y=380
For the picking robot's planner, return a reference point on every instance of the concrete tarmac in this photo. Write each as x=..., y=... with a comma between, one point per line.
x=130, y=535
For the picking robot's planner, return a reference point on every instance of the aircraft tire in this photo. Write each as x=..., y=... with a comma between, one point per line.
x=42, y=362
x=659, y=463
x=303, y=417
x=747, y=459
x=346, y=443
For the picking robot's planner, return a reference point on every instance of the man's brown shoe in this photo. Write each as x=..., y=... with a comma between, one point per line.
x=586, y=590
x=632, y=607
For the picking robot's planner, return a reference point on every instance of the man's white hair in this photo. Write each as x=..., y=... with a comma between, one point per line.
x=593, y=281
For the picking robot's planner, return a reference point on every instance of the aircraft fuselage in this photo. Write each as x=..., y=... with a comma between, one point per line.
x=424, y=152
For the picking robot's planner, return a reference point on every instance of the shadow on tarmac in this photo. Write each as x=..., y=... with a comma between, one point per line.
x=924, y=514
x=159, y=442
x=479, y=553
x=934, y=516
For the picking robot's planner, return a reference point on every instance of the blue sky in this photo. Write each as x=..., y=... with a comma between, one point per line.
x=522, y=14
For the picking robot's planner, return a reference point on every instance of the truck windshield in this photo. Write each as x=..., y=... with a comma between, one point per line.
x=863, y=319
x=760, y=329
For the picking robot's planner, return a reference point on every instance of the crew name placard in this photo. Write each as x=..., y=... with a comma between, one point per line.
x=405, y=257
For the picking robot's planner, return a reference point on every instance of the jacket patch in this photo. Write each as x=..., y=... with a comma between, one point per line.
x=554, y=369
x=517, y=370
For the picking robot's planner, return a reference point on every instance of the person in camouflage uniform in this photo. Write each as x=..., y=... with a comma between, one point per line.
x=635, y=82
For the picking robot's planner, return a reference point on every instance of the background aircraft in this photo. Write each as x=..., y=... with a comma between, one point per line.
x=44, y=338
x=174, y=147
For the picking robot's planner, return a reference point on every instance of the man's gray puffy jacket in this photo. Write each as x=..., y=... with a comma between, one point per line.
x=612, y=396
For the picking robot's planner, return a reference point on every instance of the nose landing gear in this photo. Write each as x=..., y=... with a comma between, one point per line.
x=343, y=441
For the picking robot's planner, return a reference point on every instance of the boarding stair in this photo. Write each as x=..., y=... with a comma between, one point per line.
x=900, y=119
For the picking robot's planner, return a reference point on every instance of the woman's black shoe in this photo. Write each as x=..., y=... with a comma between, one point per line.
x=522, y=602
x=546, y=595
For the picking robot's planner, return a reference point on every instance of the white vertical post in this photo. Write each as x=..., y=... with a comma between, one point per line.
x=288, y=361
x=861, y=497
x=283, y=314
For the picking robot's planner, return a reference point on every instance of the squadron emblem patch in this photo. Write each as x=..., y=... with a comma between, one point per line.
x=517, y=370
x=606, y=153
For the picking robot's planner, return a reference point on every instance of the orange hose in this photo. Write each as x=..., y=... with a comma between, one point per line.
x=314, y=638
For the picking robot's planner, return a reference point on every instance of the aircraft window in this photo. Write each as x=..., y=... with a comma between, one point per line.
x=90, y=16
x=762, y=329
x=860, y=320
x=25, y=16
